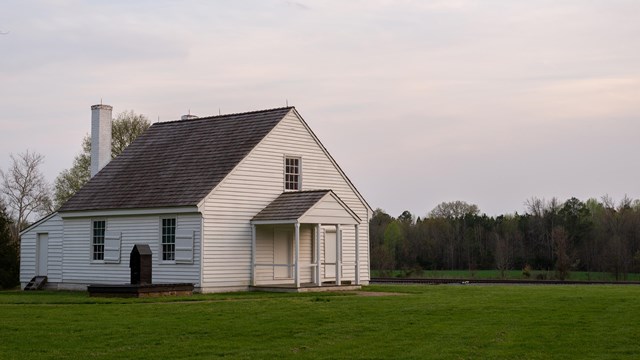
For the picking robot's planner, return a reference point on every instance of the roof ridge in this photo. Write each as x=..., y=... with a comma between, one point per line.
x=226, y=115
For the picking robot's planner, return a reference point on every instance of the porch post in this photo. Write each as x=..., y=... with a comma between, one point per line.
x=318, y=261
x=357, y=256
x=253, y=255
x=297, y=254
x=338, y=254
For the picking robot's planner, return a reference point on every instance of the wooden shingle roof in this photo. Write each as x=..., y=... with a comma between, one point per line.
x=175, y=163
x=290, y=205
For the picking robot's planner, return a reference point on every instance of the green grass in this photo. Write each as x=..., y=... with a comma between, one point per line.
x=426, y=322
x=495, y=274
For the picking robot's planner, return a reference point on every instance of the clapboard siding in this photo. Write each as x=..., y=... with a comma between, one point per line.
x=252, y=185
x=78, y=267
x=265, y=254
x=305, y=253
x=28, y=253
x=328, y=211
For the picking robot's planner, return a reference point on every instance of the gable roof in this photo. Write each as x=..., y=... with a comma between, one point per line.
x=175, y=163
x=38, y=222
x=290, y=205
x=312, y=206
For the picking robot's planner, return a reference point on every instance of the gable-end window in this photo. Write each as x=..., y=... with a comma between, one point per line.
x=98, y=228
x=292, y=173
x=169, y=239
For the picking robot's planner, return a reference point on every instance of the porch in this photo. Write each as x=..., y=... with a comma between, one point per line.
x=305, y=241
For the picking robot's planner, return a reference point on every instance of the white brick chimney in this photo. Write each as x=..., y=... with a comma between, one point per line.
x=100, y=137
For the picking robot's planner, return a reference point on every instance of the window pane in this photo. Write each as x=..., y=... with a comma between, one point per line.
x=168, y=239
x=97, y=240
x=292, y=174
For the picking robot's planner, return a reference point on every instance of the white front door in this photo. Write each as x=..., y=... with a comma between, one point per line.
x=282, y=253
x=42, y=254
x=330, y=254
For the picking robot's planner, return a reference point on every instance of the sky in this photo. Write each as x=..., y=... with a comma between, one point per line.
x=490, y=102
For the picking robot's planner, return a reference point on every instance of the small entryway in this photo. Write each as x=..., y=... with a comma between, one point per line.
x=330, y=254
x=297, y=242
x=42, y=254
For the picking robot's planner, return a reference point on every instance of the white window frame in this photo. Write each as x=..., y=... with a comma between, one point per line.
x=161, y=239
x=286, y=174
x=92, y=244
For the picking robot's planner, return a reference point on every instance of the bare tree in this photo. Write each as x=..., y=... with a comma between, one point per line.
x=544, y=218
x=71, y=180
x=507, y=237
x=24, y=189
x=503, y=254
x=561, y=245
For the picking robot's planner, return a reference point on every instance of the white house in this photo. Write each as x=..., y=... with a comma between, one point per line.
x=224, y=202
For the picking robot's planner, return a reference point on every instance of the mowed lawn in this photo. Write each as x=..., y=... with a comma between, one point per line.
x=412, y=322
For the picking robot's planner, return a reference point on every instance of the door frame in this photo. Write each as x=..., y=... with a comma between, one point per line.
x=42, y=254
x=329, y=271
x=288, y=239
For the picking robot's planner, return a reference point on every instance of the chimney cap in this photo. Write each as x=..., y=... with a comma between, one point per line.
x=101, y=107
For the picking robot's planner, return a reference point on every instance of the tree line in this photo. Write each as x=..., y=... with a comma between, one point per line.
x=591, y=236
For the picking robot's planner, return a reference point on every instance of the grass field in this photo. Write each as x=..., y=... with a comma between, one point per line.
x=495, y=274
x=423, y=322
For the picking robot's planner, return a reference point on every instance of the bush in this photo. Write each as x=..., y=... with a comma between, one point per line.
x=526, y=271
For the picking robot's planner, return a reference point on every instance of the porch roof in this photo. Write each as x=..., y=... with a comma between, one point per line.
x=315, y=206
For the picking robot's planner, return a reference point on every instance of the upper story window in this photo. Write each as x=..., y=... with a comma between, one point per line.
x=169, y=239
x=97, y=239
x=292, y=172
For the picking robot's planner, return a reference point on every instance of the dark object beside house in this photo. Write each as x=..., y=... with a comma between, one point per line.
x=144, y=290
x=140, y=263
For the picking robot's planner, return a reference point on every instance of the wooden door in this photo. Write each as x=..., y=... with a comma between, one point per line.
x=330, y=254
x=42, y=255
x=282, y=253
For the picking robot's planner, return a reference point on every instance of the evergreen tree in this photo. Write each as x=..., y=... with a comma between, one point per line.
x=9, y=257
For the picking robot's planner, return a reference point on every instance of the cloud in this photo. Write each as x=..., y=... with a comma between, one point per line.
x=419, y=101
x=84, y=38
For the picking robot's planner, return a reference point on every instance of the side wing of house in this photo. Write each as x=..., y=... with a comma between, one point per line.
x=41, y=250
x=256, y=182
x=97, y=248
